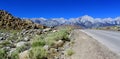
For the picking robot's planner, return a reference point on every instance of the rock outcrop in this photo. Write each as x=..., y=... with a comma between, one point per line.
x=7, y=21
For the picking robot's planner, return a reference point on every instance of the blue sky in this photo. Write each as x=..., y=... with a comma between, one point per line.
x=62, y=8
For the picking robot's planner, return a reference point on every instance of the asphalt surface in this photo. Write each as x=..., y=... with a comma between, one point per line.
x=110, y=39
x=86, y=47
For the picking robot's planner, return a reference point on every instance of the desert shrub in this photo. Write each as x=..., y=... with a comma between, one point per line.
x=12, y=38
x=60, y=35
x=1, y=46
x=14, y=55
x=22, y=48
x=5, y=43
x=70, y=52
x=14, y=32
x=4, y=30
x=50, y=41
x=38, y=53
x=52, y=37
x=40, y=42
x=2, y=54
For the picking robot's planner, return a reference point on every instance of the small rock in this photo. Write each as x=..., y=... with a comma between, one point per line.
x=54, y=31
x=62, y=57
x=59, y=43
x=1, y=38
x=56, y=57
x=23, y=32
x=26, y=38
x=7, y=35
x=46, y=47
x=53, y=50
x=19, y=44
x=38, y=31
x=8, y=48
x=31, y=31
x=47, y=29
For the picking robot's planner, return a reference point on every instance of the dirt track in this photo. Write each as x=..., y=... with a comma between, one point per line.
x=86, y=47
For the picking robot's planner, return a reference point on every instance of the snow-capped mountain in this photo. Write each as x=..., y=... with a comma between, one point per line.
x=84, y=21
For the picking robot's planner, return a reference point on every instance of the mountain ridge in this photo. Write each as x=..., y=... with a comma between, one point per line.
x=84, y=21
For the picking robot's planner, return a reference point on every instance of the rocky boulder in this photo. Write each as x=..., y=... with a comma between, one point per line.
x=24, y=55
x=19, y=44
x=59, y=43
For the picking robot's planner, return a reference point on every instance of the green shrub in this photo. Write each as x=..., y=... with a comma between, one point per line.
x=12, y=38
x=5, y=43
x=70, y=52
x=50, y=38
x=14, y=55
x=1, y=46
x=60, y=35
x=50, y=41
x=38, y=53
x=2, y=54
x=39, y=42
x=21, y=49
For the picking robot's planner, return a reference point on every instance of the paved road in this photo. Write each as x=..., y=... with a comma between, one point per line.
x=111, y=39
x=85, y=47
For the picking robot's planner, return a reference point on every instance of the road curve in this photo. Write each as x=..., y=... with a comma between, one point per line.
x=110, y=39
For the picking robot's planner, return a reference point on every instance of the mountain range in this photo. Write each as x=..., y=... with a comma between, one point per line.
x=84, y=21
x=8, y=21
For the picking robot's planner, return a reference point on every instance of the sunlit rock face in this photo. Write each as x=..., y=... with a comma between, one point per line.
x=8, y=21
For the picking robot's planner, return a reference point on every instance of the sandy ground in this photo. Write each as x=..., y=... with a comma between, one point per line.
x=85, y=47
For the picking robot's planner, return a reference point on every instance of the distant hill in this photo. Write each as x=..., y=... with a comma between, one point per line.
x=7, y=21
